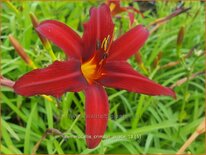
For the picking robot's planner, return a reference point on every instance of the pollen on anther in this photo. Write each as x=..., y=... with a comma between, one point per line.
x=105, y=43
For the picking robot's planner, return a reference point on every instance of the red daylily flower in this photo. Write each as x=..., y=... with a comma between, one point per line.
x=116, y=8
x=95, y=60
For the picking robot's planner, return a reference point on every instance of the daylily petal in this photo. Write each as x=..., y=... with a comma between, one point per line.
x=63, y=36
x=131, y=17
x=97, y=109
x=115, y=7
x=54, y=80
x=98, y=28
x=128, y=44
x=120, y=75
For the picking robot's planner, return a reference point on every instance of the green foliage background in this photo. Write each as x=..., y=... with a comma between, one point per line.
x=148, y=124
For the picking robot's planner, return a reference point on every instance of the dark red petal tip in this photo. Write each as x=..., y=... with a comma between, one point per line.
x=128, y=44
x=63, y=36
x=54, y=80
x=98, y=28
x=97, y=109
x=121, y=75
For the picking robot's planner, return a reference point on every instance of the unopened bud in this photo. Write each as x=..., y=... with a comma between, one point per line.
x=140, y=63
x=180, y=37
x=138, y=58
x=157, y=60
x=6, y=82
x=17, y=46
x=35, y=23
x=19, y=49
x=44, y=41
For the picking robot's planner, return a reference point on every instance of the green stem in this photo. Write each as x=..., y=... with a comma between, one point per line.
x=138, y=110
x=49, y=49
x=11, y=6
x=185, y=96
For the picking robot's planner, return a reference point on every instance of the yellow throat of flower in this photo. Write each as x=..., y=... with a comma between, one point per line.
x=89, y=70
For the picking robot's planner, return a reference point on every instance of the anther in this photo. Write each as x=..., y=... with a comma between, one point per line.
x=108, y=39
x=105, y=43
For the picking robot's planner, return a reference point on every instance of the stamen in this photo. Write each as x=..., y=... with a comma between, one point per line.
x=92, y=69
x=101, y=62
x=105, y=43
x=108, y=38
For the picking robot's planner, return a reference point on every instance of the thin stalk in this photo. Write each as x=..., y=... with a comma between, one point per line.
x=49, y=49
x=50, y=131
x=68, y=131
x=200, y=129
x=11, y=6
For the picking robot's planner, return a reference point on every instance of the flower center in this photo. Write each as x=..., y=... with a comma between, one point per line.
x=92, y=69
x=89, y=69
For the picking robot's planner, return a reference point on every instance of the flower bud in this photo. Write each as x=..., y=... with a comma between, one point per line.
x=17, y=46
x=157, y=60
x=19, y=49
x=35, y=23
x=180, y=37
x=138, y=58
x=44, y=41
x=6, y=82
